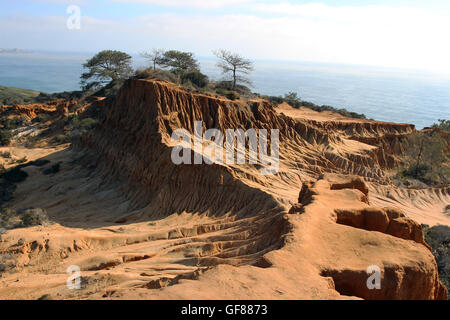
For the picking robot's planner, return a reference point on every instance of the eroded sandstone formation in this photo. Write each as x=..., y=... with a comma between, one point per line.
x=140, y=226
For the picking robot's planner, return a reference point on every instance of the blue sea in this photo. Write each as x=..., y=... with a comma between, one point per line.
x=385, y=94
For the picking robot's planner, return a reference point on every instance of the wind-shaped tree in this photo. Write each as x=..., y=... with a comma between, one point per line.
x=179, y=62
x=105, y=67
x=155, y=57
x=235, y=65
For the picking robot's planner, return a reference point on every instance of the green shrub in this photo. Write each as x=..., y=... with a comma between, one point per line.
x=53, y=169
x=12, y=123
x=228, y=85
x=273, y=99
x=61, y=138
x=56, y=167
x=416, y=171
x=10, y=219
x=88, y=123
x=14, y=175
x=5, y=137
x=232, y=95
x=438, y=237
x=67, y=95
x=73, y=120
x=195, y=77
x=425, y=158
x=22, y=160
x=157, y=74
x=34, y=217
x=222, y=92
x=42, y=117
x=293, y=99
x=443, y=125
x=31, y=141
x=7, y=217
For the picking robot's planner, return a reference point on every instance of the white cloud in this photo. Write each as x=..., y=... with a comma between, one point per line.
x=373, y=35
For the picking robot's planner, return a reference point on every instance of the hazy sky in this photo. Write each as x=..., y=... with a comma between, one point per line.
x=399, y=33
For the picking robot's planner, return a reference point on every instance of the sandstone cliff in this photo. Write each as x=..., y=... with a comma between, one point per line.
x=140, y=226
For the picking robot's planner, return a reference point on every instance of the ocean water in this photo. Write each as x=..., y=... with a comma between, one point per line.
x=384, y=94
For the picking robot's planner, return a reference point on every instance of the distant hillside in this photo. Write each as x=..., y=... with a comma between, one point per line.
x=9, y=95
x=15, y=50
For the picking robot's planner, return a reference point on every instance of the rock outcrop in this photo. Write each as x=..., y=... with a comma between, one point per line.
x=408, y=269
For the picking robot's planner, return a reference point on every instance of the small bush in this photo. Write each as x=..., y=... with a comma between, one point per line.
x=73, y=120
x=232, y=95
x=43, y=117
x=12, y=123
x=56, y=167
x=14, y=175
x=34, y=217
x=6, y=155
x=426, y=158
x=196, y=78
x=22, y=160
x=53, y=169
x=443, y=125
x=273, y=99
x=438, y=237
x=62, y=138
x=416, y=171
x=228, y=85
x=7, y=217
x=157, y=74
x=109, y=91
x=67, y=95
x=88, y=123
x=10, y=219
x=6, y=191
x=31, y=141
x=5, y=137
x=293, y=99
x=222, y=92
